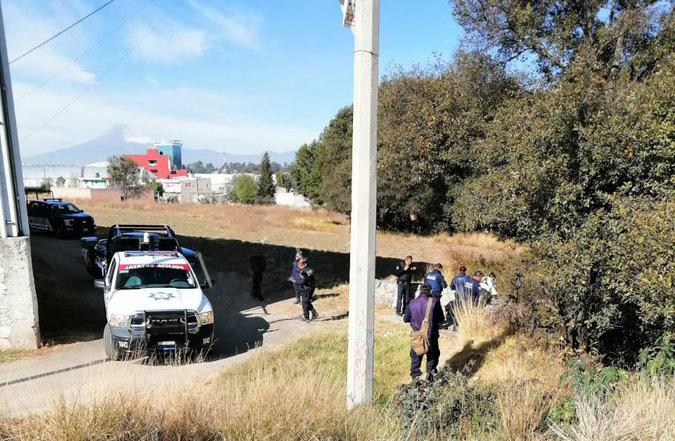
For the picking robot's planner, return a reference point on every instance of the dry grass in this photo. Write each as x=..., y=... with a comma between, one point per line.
x=640, y=410
x=296, y=393
x=524, y=376
x=306, y=228
x=475, y=325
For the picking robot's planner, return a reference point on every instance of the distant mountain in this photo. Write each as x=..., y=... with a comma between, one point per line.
x=121, y=140
x=118, y=140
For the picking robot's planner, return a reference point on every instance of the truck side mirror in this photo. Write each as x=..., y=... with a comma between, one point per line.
x=205, y=284
x=99, y=284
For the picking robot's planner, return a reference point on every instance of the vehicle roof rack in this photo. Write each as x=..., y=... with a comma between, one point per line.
x=52, y=199
x=125, y=228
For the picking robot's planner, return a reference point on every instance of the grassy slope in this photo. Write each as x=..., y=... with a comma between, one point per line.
x=298, y=393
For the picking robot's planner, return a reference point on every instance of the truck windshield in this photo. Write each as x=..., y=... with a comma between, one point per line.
x=155, y=276
x=66, y=209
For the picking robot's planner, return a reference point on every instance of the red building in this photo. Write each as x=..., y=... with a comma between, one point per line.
x=156, y=163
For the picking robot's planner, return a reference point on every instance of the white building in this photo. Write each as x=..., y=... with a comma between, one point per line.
x=221, y=183
x=186, y=189
x=93, y=175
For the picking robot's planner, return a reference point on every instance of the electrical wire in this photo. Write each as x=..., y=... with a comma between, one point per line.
x=105, y=73
x=87, y=51
x=34, y=48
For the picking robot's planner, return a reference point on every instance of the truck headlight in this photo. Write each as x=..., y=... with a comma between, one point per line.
x=119, y=320
x=205, y=318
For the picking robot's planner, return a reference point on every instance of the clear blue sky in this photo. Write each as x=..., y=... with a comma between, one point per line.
x=244, y=76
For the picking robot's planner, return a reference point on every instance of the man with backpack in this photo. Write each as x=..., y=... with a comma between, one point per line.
x=425, y=316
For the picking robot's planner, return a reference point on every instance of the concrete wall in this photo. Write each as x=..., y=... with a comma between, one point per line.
x=71, y=193
x=19, y=327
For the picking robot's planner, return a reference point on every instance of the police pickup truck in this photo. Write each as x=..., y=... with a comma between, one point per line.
x=154, y=303
x=59, y=217
x=125, y=237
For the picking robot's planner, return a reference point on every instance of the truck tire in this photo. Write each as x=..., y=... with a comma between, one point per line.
x=111, y=351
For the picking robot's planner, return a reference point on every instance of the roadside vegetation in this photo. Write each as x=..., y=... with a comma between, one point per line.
x=494, y=385
x=573, y=157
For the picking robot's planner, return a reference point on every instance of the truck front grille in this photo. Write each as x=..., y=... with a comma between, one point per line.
x=165, y=321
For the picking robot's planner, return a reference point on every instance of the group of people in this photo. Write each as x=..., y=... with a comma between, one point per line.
x=426, y=311
x=423, y=313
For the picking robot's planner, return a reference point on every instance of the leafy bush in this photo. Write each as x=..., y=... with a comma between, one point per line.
x=659, y=360
x=612, y=281
x=245, y=189
x=446, y=408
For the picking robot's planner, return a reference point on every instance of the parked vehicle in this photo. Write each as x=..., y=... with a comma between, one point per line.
x=97, y=252
x=155, y=303
x=59, y=217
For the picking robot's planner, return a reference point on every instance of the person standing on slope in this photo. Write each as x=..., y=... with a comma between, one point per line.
x=425, y=313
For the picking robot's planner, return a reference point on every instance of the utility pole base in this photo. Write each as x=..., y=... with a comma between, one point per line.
x=19, y=327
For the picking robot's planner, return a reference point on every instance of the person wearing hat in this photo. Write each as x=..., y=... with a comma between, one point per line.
x=417, y=311
x=306, y=286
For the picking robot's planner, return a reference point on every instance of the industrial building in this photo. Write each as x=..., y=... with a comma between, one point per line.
x=160, y=162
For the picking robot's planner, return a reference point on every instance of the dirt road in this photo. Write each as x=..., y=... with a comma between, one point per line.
x=72, y=310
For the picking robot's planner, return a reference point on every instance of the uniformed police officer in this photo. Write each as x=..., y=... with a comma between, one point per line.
x=295, y=276
x=307, y=285
x=436, y=280
x=258, y=266
x=404, y=273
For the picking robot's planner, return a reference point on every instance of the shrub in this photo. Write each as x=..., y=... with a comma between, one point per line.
x=612, y=280
x=446, y=408
x=245, y=189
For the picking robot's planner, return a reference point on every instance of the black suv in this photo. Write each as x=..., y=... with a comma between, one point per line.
x=57, y=216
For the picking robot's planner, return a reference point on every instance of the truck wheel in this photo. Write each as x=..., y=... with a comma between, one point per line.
x=111, y=351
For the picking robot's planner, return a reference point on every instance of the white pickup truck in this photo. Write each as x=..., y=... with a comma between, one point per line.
x=154, y=303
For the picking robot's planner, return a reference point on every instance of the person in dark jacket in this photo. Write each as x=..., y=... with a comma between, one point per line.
x=404, y=273
x=258, y=266
x=295, y=276
x=307, y=285
x=436, y=280
x=459, y=281
x=414, y=315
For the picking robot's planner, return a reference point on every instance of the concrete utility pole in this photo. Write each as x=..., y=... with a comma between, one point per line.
x=360, y=369
x=18, y=303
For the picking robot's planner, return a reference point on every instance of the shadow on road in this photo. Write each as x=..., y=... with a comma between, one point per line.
x=72, y=310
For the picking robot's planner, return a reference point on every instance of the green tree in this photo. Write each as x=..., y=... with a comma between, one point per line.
x=46, y=184
x=556, y=33
x=266, y=188
x=157, y=188
x=245, y=189
x=60, y=181
x=304, y=174
x=125, y=175
x=284, y=180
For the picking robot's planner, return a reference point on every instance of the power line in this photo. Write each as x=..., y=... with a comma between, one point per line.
x=87, y=51
x=107, y=71
x=61, y=32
